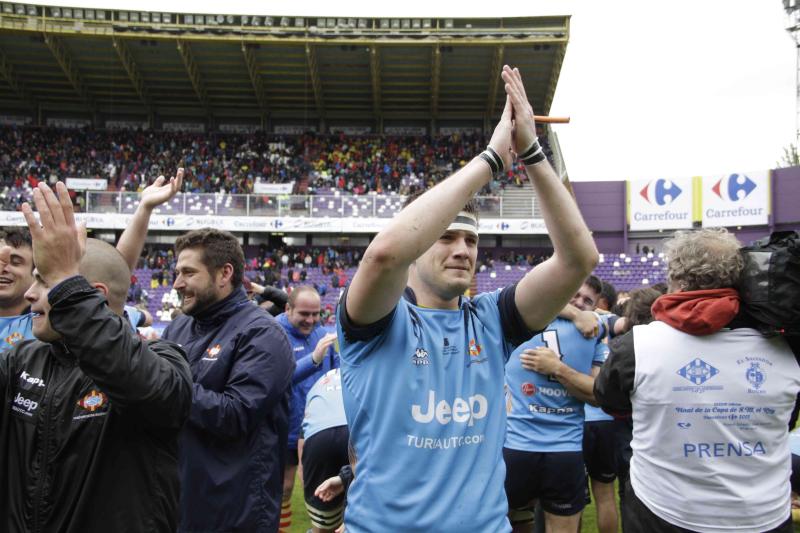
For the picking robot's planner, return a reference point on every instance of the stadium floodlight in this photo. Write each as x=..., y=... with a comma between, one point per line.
x=90, y=14
x=351, y=23
x=188, y=19
x=8, y=8
x=245, y=20
x=427, y=24
x=331, y=23
x=406, y=24
x=284, y=22
x=385, y=24
x=299, y=22
x=416, y=24
x=269, y=21
x=448, y=24
x=56, y=12
x=122, y=15
x=20, y=9
x=362, y=24
x=134, y=16
x=68, y=12
x=145, y=17
x=166, y=18
x=31, y=11
x=255, y=21
x=78, y=13
x=220, y=19
x=100, y=14
x=341, y=23
x=229, y=19
x=395, y=24
x=155, y=17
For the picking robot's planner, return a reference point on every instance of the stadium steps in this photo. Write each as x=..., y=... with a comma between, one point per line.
x=517, y=201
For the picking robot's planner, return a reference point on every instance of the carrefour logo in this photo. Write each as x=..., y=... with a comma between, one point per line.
x=734, y=188
x=660, y=192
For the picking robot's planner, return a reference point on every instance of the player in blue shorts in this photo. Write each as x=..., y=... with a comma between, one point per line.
x=423, y=366
x=549, y=378
x=325, y=449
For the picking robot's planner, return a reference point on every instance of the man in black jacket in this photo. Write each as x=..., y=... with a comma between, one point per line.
x=231, y=449
x=91, y=412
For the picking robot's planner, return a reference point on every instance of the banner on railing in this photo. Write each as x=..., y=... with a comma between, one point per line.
x=127, y=125
x=72, y=123
x=351, y=130
x=274, y=224
x=87, y=184
x=739, y=199
x=294, y=129
x=405, y=130
x=450, y=130
x=239, y=128
x=191, y=127
x=660, y=204
x=262, y=187
x=14, y=120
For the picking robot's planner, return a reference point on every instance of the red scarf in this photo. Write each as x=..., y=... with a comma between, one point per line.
x=697, y=312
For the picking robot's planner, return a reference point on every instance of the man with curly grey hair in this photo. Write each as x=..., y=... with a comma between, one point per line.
x=710, y=400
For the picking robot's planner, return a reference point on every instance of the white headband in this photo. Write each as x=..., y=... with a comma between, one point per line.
x=465, y=222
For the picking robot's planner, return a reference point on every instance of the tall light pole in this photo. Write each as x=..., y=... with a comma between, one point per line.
x=792, y=8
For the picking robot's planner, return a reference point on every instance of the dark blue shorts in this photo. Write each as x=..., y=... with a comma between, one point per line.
x=556, y=479
x=600, y=450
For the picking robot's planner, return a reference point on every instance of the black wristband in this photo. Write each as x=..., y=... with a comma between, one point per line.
x=492, y=165
x=497, y=159
x=537, y=157
x=532, y=149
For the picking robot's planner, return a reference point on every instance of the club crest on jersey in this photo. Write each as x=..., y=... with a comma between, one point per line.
x=474, y=348
x=420, y=357
x=756, y=377
x=93, y=401
x=212, y=353
x=14, y=338
x=698, y=371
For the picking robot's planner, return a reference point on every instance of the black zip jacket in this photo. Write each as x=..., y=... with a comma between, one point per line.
x=89, y=425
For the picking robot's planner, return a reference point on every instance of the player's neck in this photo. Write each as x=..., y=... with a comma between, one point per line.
x=14, y=309
x=428, y=298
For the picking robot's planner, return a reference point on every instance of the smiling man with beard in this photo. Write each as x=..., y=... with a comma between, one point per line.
x=231, y=449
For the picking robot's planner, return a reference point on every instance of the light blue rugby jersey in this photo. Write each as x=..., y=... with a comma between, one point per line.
x=425, y=406
x=543, y=416
x=324, y=405
x=14, y=329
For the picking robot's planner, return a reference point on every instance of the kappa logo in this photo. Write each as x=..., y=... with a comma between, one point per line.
x=660, y=192
x=698, y=371
x=734, y=188
x=14, y=338
x=420, y=357
x=93, y=401
x=28, y=379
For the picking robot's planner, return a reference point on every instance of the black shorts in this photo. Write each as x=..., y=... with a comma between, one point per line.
x=291, y=459
x=795, y=479
x=600, y=450
x=556, y=479
x=637, y=517
x=324, y=453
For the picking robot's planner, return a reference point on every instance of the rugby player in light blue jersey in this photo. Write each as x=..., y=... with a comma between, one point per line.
x=423, y=366
x=549, y=378
x=16, y=277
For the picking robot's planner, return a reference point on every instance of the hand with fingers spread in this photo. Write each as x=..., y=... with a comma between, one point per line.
x=58, y=242
x=542, y=360
x=524, y=124
x=161, y=191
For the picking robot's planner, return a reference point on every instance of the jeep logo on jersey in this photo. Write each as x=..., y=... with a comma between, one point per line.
x=734, y=188
x=24, y=405
x=660, y=192
x=698, y=371
x=473, y=408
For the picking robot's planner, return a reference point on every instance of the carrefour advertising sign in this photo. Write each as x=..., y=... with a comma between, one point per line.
x=660, y=204
x=738, y=199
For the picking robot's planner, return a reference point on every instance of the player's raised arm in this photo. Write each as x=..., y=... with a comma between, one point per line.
x=544, y=291
x=383, y=272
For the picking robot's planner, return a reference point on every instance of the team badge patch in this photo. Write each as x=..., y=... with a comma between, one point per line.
x=212, y=353
x=14, y=338
x=698, y=371
x=93, y=401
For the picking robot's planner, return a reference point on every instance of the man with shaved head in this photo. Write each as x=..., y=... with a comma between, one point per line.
x=91, y=412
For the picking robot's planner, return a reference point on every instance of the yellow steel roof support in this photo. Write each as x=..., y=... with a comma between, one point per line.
x=128, y=63
x=436, y=71
x=185, y=52
x=65, y=62
x=255, y=79
x=494, y=79
x=375, y=74
x=311, y=58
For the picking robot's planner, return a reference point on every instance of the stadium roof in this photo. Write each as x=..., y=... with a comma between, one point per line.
x=123, y=64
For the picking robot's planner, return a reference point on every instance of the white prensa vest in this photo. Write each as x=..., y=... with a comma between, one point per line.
x=710, y=427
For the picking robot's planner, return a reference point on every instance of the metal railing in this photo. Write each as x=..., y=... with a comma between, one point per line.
x=312, y=206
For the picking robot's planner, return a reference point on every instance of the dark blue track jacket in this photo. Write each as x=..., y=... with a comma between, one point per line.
x=231, y=454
